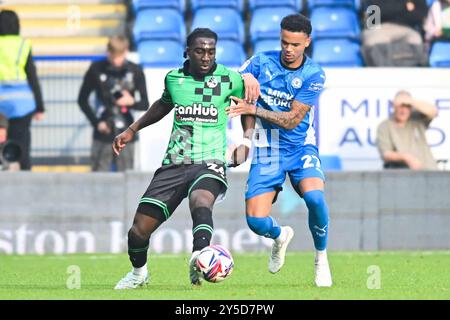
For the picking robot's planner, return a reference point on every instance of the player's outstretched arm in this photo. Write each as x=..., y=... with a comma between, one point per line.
x=285, y=119
x=156, y=112
x=239, y=154
x=252, y=89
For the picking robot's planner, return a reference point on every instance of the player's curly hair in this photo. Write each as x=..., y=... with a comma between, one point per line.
x=296, y=23
x=199, y=33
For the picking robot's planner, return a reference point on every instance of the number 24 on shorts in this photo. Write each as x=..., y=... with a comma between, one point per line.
x=216, y=168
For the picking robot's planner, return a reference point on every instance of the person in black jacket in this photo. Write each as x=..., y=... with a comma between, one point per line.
x=397, y=40
x=20, y=94
x=119, y=86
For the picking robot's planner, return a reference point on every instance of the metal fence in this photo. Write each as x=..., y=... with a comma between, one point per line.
x=64, y=135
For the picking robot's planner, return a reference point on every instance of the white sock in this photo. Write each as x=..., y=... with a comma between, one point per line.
x=321, y=256
x=142, y=271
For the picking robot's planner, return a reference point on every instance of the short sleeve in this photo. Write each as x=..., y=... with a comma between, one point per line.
x=384, y=141
x=237, y=85
x=310, y=90
x=420, y=118
x=252, y=66
x=166, y=97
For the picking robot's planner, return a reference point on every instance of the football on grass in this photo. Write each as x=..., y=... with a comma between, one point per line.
x=215, y=263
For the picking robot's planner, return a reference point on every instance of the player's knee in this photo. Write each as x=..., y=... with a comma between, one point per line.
x=260, y=226
x=314, y=199
x=201, y=198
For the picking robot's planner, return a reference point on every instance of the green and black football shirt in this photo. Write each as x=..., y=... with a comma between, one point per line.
x=200, y=121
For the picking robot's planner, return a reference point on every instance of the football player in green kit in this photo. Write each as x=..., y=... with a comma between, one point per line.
x=194, y=163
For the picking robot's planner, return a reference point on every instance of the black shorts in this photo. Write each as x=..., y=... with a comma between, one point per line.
x=172, y=183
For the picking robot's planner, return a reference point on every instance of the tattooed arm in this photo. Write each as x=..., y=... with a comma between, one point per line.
x=285, y=119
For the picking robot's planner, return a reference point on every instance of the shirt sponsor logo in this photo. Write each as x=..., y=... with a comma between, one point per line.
x=277, y=98
x=197, y=113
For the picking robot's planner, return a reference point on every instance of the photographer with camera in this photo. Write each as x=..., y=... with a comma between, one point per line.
x=10, y=151
x=119, y=86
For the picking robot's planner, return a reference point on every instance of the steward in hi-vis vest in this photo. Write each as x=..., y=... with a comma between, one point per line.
x=16, y=97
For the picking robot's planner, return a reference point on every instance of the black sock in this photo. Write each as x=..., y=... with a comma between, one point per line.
x=137, y=249
x=202, y=228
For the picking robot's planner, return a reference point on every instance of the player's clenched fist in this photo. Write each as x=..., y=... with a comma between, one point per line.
x=121, y=140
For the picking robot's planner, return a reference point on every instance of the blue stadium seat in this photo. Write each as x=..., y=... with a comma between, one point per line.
x=165, y=24
x=430, y=2
x=440, y=55
x=330, y=162
x=335, y=23
x=179, y=5
x=267, y=45
x=238, y=5
x=297, y=5
x=265, y=23
x=227, y=23
x=230, y=53
x=354, y=4
x=337, y=53
x=160, y=53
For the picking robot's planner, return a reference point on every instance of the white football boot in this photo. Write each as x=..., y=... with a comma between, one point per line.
x=132, y=281
x=322, y=270
x=279, y=247
x=194, y=273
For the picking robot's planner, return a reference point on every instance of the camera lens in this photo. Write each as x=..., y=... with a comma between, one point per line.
x=11, y=152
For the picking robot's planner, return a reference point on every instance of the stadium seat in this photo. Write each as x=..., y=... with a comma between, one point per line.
x=430, y=2
x=230, y=53
x=297, y=5
x=237, y=5
x=440, y=55
x=164, y=24
x=354, y=4
x=330, y=162
x=265, y=23
x=179, y=5
x=267, y=45
x=337, y=53
x=334, y=23
x=227, y=23
x=160, y=53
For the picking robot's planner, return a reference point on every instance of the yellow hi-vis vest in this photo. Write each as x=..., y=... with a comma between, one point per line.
x=14, y=52
x=16, y=97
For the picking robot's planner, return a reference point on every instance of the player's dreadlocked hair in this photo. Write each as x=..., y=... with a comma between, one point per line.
x=296, y=23
x=200, y=33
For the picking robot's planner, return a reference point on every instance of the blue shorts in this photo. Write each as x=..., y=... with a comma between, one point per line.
x=269, y=168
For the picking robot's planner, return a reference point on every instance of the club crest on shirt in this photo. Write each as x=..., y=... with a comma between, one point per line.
x=212, y=83
x=296, y=83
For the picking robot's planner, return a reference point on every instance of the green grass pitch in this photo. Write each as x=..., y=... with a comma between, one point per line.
x=399, y=275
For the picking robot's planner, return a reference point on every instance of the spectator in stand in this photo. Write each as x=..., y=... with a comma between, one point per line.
x=437, y=23
x=401, y=139
x=397, y=40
